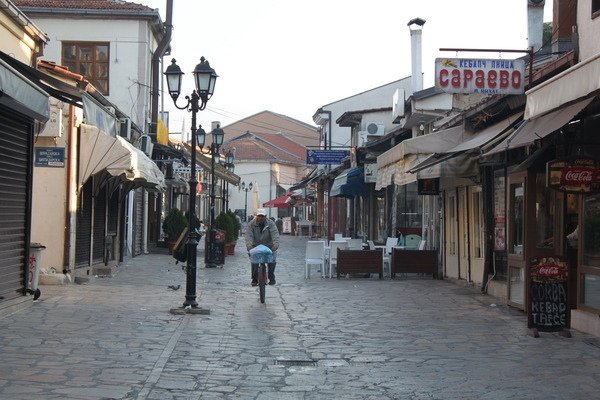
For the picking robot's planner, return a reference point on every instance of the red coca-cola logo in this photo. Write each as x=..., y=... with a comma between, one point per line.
x=549, y=270
x=580, y=175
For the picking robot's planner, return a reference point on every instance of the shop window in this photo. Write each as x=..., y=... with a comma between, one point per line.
x=591, y=231
x=89, y=59
x=544, y=213
x=595, y=8
x=409, y=206
x=478, y=238
x=517, y=209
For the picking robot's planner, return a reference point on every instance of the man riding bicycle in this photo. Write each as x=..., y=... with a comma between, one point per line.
x=262, y=230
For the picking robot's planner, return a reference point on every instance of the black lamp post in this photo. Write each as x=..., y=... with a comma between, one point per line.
x=205, y=78
x=230, y=167
x=211, y=259
x=246, y=188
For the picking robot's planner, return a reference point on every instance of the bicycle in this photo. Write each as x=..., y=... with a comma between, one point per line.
x=262, y=256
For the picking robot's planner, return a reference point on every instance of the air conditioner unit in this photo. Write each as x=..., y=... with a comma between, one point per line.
x=375, y=128
x=125, y=130
x=398, y=106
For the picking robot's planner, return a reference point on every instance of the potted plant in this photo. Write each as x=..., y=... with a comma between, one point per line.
x=224, y=222
x=173, y=225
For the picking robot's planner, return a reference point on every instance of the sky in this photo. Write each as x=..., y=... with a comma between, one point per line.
x=292, y=57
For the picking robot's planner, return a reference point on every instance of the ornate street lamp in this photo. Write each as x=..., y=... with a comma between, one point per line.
x=211, y=259
x=246, y=188
x=230, y=167
x=205, y=78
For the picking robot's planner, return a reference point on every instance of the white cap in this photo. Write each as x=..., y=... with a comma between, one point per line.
x=261, y=211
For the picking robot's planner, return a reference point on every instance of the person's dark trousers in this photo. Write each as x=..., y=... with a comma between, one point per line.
x=270, y=273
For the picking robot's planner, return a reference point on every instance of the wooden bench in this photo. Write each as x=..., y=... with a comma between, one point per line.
x=414, y=261
x=360, y=262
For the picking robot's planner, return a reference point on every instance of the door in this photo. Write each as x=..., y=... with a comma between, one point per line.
x=516, y=240
x=463, y=234
x=451, y=235
x=476, y=235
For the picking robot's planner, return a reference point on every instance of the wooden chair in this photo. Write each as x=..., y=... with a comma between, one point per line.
x=315, y=255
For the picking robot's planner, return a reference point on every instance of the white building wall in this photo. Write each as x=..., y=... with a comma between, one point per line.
x=131, y=43
x=589, y=30
x=379, y=97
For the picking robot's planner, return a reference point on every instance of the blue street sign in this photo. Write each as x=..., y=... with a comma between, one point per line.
x=325, y=156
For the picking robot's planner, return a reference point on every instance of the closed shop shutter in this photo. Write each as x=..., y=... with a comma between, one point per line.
x=15, y=171
x=138, y=221
x=84, y=226
x=99, y=228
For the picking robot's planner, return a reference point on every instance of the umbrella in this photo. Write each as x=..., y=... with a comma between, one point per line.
x=279, y=202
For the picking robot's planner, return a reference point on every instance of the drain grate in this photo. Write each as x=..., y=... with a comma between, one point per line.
x=296, y=363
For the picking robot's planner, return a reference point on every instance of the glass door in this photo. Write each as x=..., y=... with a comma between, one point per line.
x=516, y=240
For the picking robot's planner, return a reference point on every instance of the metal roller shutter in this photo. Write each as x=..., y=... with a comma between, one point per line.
x=99, y=228
x=15, y=172
x=138, y=204
x=84, y=226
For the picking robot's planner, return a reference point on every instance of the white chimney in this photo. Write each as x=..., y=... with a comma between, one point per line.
x=535, y=23
x=416, y=28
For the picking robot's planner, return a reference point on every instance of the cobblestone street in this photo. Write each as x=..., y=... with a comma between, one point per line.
x=358, y=338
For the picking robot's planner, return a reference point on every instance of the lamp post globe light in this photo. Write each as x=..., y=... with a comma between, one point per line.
x=205, y=78
x=246, y=188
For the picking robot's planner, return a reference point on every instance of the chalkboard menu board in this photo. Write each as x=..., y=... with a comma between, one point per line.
x=548, y=298
x=214, y=253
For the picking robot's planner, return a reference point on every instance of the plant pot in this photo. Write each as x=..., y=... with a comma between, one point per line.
x=230, y=247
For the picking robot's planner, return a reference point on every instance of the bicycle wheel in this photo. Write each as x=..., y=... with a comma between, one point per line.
x=261, y=289
x=262, y=281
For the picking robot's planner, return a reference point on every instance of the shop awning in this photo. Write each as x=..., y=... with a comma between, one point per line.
x=541, y=127
x=394, y=165
x=106, y=156
x=481, y=139
x=349, y=183
x=578, y=82
x=21, y=94
x=279, y=202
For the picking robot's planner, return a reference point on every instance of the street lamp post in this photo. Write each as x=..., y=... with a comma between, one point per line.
x=246, y=188
x=211, y=256
x=205, y=78
x=230, y=167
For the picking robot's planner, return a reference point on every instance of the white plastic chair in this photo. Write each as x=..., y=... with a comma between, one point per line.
x=315, y=255
x=355, y=244
x=334, y=246
x=422, y=245
x=337, y=236
x=389, y=243
x=386, y=257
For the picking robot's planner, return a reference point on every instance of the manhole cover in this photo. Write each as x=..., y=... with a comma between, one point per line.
x=296, y=363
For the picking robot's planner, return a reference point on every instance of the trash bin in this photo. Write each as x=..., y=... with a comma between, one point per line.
x=214, y=253
x=34, y=264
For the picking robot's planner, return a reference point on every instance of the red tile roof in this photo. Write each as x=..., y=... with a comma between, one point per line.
x=265, y=147
x=83, y=4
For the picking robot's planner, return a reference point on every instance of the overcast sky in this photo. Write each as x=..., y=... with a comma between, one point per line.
x=292, y=57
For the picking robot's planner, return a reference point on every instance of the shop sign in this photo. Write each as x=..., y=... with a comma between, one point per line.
x=370, y=173
x=574, y=175
x=483, y=76
x=548, y=299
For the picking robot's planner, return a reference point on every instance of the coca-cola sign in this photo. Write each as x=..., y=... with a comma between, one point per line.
x=574, y=175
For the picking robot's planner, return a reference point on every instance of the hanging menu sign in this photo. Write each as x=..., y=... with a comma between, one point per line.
x=548, y=300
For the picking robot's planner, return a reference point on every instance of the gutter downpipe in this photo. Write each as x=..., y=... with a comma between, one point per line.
x=155, y=67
